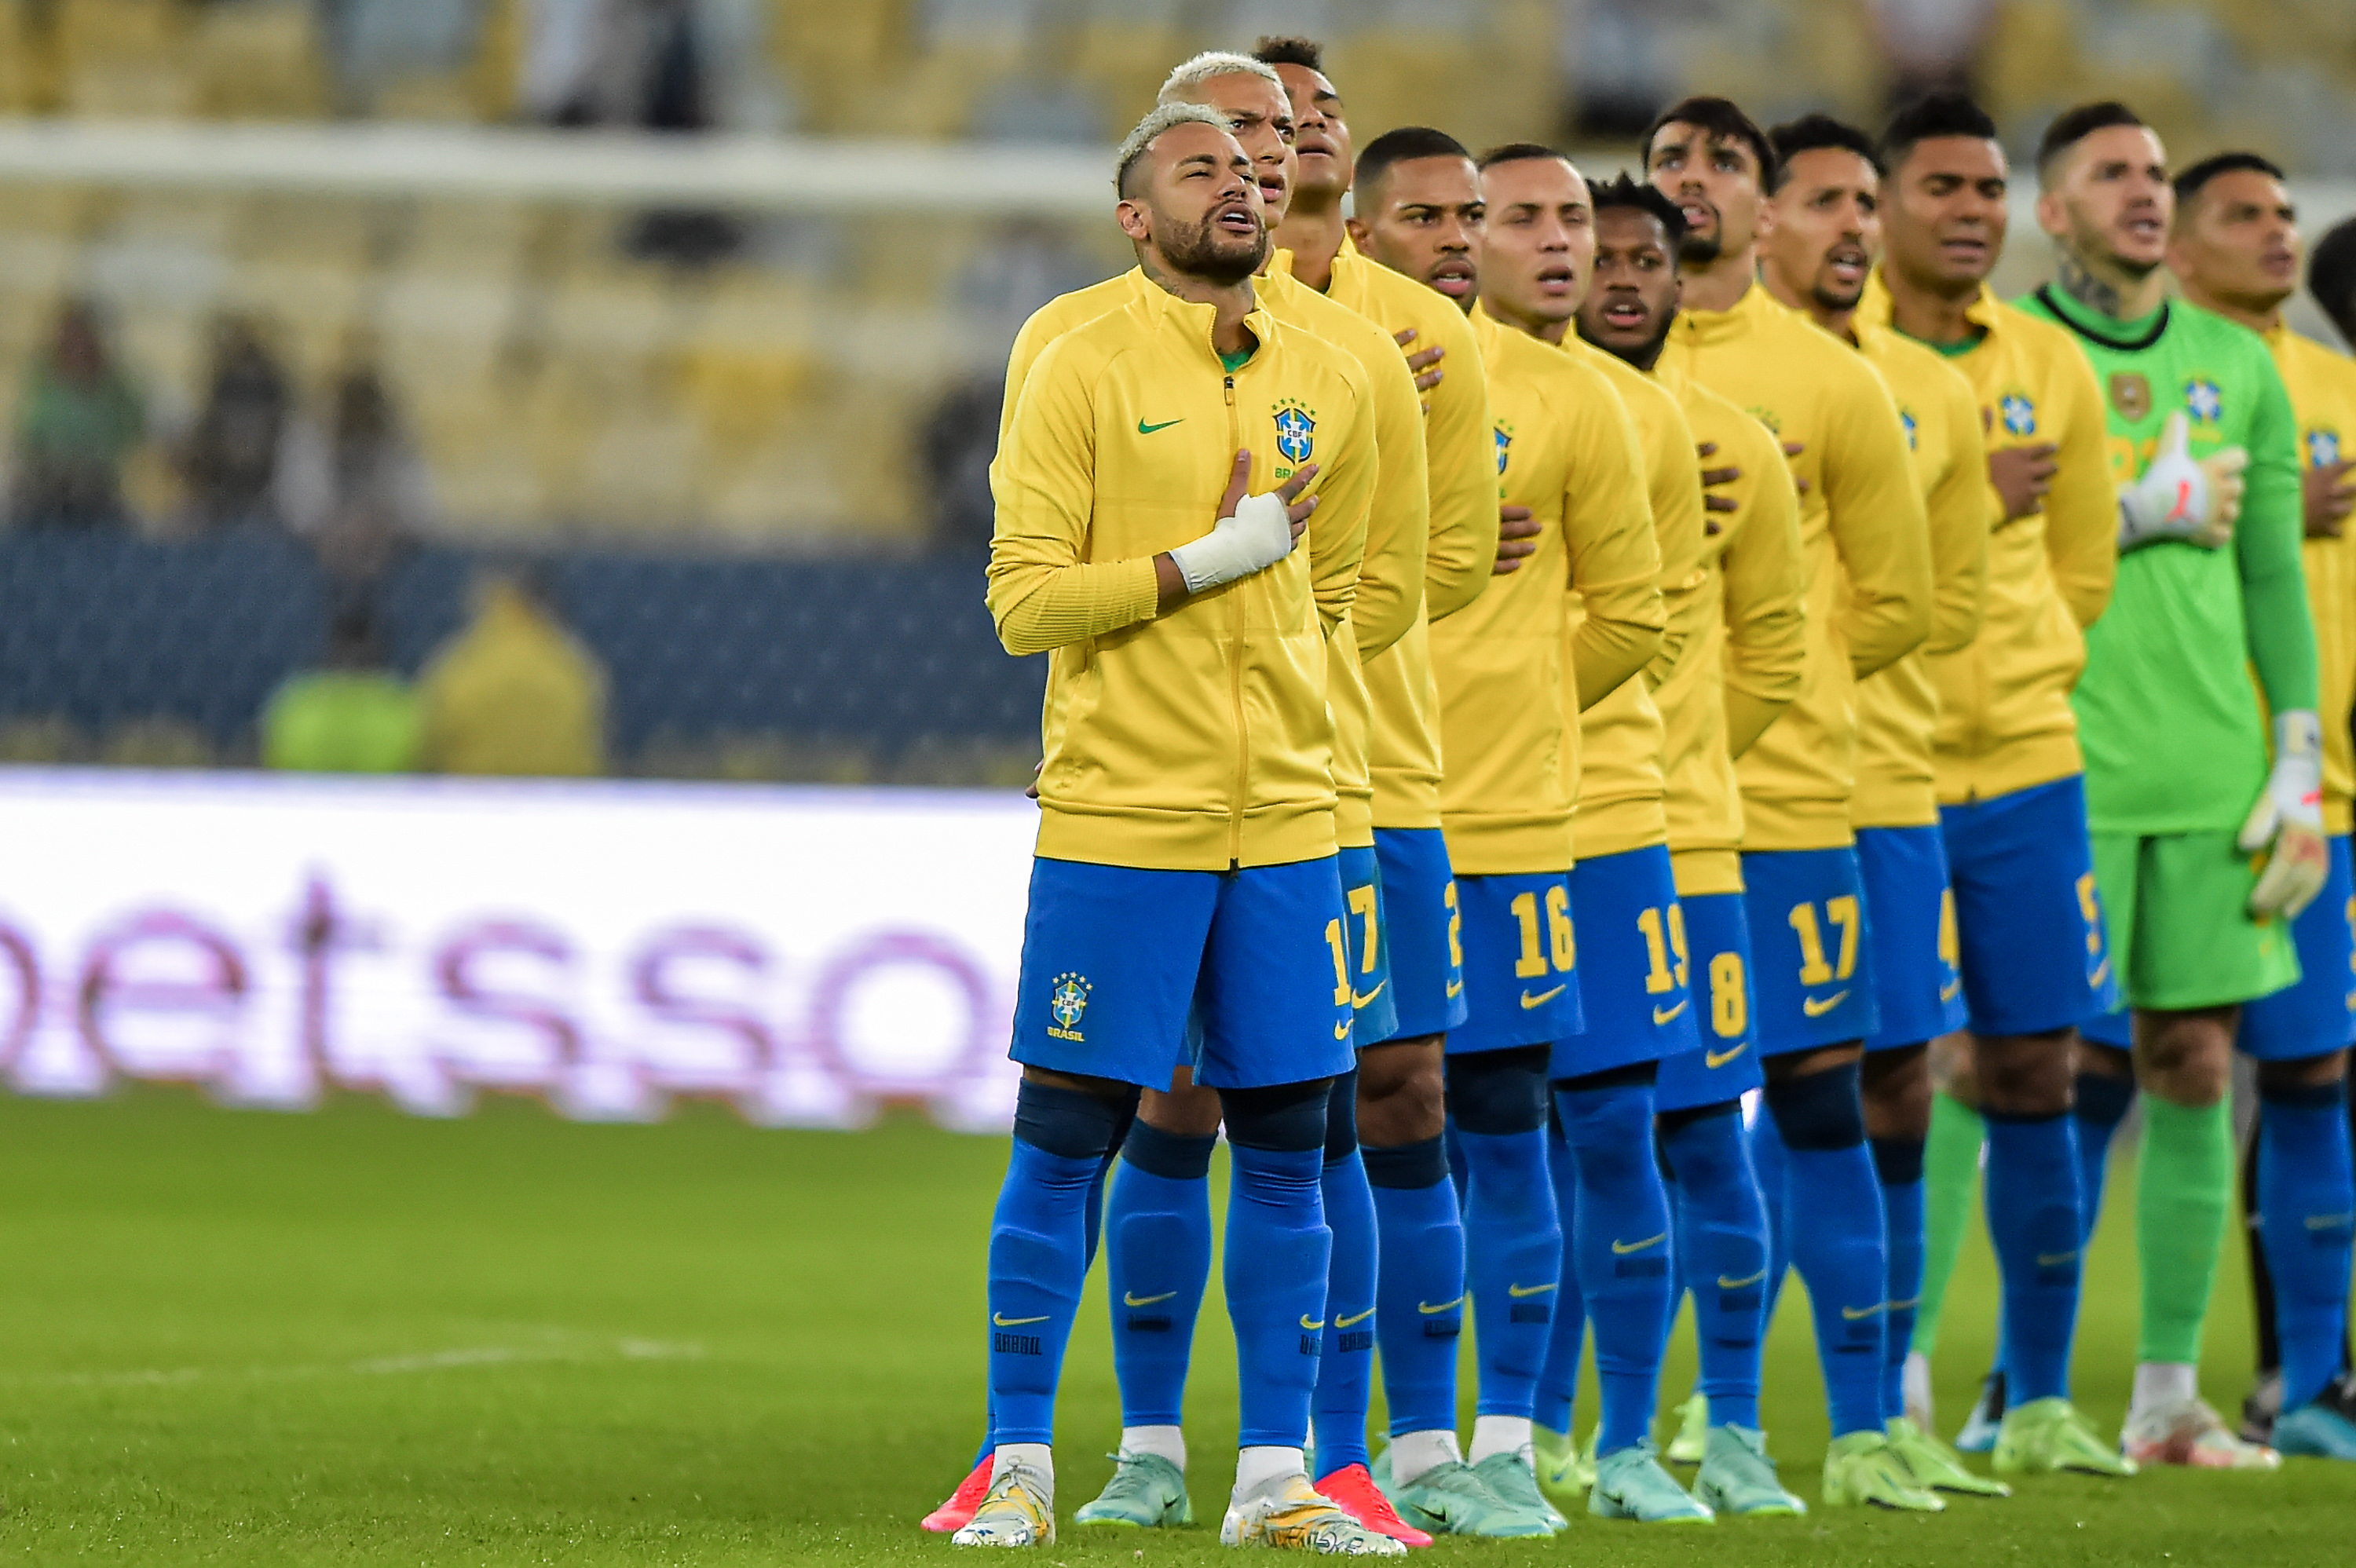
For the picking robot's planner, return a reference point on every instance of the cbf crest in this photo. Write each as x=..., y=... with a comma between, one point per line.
x=1066, y=1003
x=1296, y=433
x=1504, y=446
x=2019, y=413
x=1906, y=418
x=2322, y=448
x=2204, y=400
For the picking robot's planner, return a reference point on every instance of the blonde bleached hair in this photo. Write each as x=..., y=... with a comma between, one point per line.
x=1160, y=118
x=1185, y=84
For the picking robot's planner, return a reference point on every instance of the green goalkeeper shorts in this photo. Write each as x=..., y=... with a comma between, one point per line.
x=2182, y=934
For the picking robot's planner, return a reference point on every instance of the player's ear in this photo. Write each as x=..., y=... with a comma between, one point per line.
x=1357, y=232
x=1131, y=216
x=2052, y=214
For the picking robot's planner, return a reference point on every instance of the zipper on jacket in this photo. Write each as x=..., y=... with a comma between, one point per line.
x=1235, y=672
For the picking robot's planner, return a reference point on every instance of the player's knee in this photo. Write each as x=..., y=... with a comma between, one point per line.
x=1499, y=1093
x=1818, y=1111
x=2026, y=1075
x=1185, y=1109
x=1287, y=1118
x=1897, y=1088
x=1401, y=1092
x=2320, y=1081
x=2186, y=1058
x=1073, y=1124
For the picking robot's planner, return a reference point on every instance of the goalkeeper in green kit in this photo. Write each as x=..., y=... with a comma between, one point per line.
x=2207, y=844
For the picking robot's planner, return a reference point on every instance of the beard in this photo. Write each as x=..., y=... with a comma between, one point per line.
x=1829, y=298
x=1210, y=254
x=1699, y=250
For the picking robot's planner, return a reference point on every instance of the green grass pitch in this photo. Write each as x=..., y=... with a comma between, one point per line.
x=357, y=1337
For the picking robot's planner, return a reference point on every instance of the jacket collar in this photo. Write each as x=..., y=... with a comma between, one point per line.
x=1192, y=320
x=1877, y=308
x=1705, y=328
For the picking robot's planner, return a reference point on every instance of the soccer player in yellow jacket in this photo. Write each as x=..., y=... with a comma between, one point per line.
x=1721, y=697
x=1825, y=236
x=2235, y=249
x=1511, y=683
x=1869, y=603
x=1538, y=257
x=1187, y=862
x=2012, y=810
x=1158, y=1211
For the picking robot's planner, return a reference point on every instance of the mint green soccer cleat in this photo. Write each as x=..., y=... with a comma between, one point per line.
x=1691, y=1445
x=1738, y=1478
x=1146, y=1492
x=1565, y=1473
x=1451, y=1500
x=1511, y=1478
x=1935, y=1465
x=1863, y=1470
x=1631, y=1484
x=2046, y=1435
x=2316, y=1431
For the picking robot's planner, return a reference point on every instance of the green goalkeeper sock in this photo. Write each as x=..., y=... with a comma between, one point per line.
x=2184, y=1188
x=1951, y=1169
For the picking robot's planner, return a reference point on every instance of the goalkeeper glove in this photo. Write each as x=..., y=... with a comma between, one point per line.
x=2289, y=821
x=2180, y=497
x=1257, y=536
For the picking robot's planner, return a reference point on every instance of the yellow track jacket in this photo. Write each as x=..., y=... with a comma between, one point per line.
x=2323, y=397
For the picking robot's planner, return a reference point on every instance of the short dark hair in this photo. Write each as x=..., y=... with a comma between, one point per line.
x=2189, y=183
x=1518, y=152
x=1404, y=145
x=1928, y=118
x=1816, y=133
x=2332, y=277
x=1290, y=49
x=1625, y=190
x=2073, y=126
x=1724, y=121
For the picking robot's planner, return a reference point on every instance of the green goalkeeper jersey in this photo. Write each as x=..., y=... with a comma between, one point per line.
x=2172, y=725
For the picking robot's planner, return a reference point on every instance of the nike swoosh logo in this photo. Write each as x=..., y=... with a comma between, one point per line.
x=1622, y=1249
x=1368, y=999
x=1660, y=1018
x=1313, y=1324
x=1909, y=1304
x=1951, y=990
x=1144, y=429
x=1128, y=1300
x=2102, y=973
x=1428, y=1309
x=1860, y=1314
x=1816, y=1009
x=1715, y=1060
x=1342, y=1029
x=1361, y=1318
x=1002, y=1321
x=2055, y=1260
x=1455, y=988
x=1543, y=997
x=1726, y=1284
x=1518, y=1291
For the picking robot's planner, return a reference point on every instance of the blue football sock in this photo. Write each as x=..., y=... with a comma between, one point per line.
x=2035, y=1220
x=1157, y=1268
x=1095, y=1218
x=1839, y=1251
x=2304, y=1194
x=1768, y=1166
x=1898, y=1162
x=1277, y=1254
x=1566, y=1335
x=1419, y=1293
x=1037, y=1261
x=1721, y=1255
x=1345, y=1370
x=1512, y=1250
x=1622, y=1249
x=2102, y=1105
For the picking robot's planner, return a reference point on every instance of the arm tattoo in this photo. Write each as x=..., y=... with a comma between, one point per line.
x=2081, y=284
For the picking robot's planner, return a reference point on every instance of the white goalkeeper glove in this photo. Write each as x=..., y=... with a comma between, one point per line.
x=2181, y=498
x=2287, y=821
x=1257, y=536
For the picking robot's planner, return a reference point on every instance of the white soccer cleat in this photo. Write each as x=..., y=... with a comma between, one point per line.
x=1019, y=1511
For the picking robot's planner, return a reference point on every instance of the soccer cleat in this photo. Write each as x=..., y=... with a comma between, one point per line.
x=1915, y=1385
x=1293, y=1516
x=950, y=1517
x=2047, y=1436
x=2321, y=1430
x=1631, y=1484
x=1564, y=1472
x=1146, y=1492
x=1978, y=1436
x=1017, y=1511
x=1862, y=1469
x=2261, y=1408
x=1691, y=1445
x=1738, y=1478
x=1935, y=1467
x=1512, y=1478
x=2190, y=1433
x=1353, y=1491
x=1450, y=1500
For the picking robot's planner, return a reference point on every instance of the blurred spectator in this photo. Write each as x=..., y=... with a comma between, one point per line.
x=355, y=716
x=353, y=485
x=1619, y=62
x=614, y=62
x=231, y=455
x=515, y=693
x=959, y=443
x=1930, y=45
x=81, y=418
x=372, y=43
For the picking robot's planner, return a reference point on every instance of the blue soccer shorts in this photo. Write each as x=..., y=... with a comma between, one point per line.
x=1114, y=958
x=1811, y=970
x=1421, y=924
x=1635, y=962
x=1726, y=1065
x=1911, y=923
x=1521, y=984
x=2033, y=949
x=1365, y=939
x=2318, y=1013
